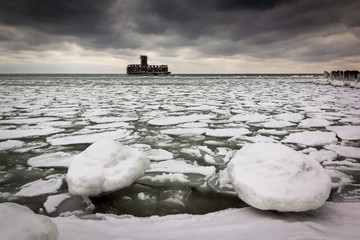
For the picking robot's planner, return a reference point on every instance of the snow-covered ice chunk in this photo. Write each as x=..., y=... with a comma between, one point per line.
x=26, y=133
x=53, y=201
x=314, y=122
x=227, y=132
x=20, y=223
x=346, y=132
x=39, y=187
x=105, y=166
x=87, y=138
x=272, y=176
x=56, y=159
x=167, y=121
x=311, y=138
x=221, y=183
x=159, y=154
x=345, y=151
x=11, y=144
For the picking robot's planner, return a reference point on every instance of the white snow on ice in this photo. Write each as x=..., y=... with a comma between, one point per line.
x=20, y=223
x=346, y=132
x=56, y=159
x=332, y=221
x=87, y=138
x=105, y=166
x=311, y=138
x=345, y=151
x=27, y=133
x=11, y=145
x=272, y=176
x=53, y=201
x=39, y=187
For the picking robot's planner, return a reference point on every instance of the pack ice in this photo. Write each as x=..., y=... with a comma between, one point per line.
x=105, y=166
x=272, y=176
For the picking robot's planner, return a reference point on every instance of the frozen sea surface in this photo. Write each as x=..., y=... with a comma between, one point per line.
x=199, y=120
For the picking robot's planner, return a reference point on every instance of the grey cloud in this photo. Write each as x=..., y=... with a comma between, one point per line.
x=260, y=29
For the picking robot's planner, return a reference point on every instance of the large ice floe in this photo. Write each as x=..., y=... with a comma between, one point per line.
x=311, y=138
x=105, y=166
x=20, y=223
x=272, y=176
x=57, y=159
x=346, y=132
x=39, y=187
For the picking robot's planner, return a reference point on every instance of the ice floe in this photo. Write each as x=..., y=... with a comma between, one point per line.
x=87, y=138
x=167, y=121
x=345, y=151
x=20, y=223
x=323, y=155
x=314, y=122
x=176, y=166
x=112, y=119
x=159, y=154
x=272, y=132
x=273, y=123
x=185, y=131
x=105, y=166
x=291, y=117
x=346, y=132
x=273, y=176
x=249, y=118
x=53, y=201
x=56, y=159
x=39, y=187
x=311, y=138
x=227, y=132
x=11, y=145
x=27, y=133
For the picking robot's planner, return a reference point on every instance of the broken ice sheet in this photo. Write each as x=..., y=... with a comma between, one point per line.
x=172, y=179
x=347, y=193
x=221, y=183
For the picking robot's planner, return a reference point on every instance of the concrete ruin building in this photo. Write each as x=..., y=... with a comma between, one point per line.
x=144, y=69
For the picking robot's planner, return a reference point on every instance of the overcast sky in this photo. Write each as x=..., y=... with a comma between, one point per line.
x=191, y=36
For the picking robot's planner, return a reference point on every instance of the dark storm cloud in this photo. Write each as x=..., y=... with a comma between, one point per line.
x=261, y=29
x=59, y=17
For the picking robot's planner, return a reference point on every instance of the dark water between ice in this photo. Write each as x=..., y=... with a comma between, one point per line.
x=78, y=104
